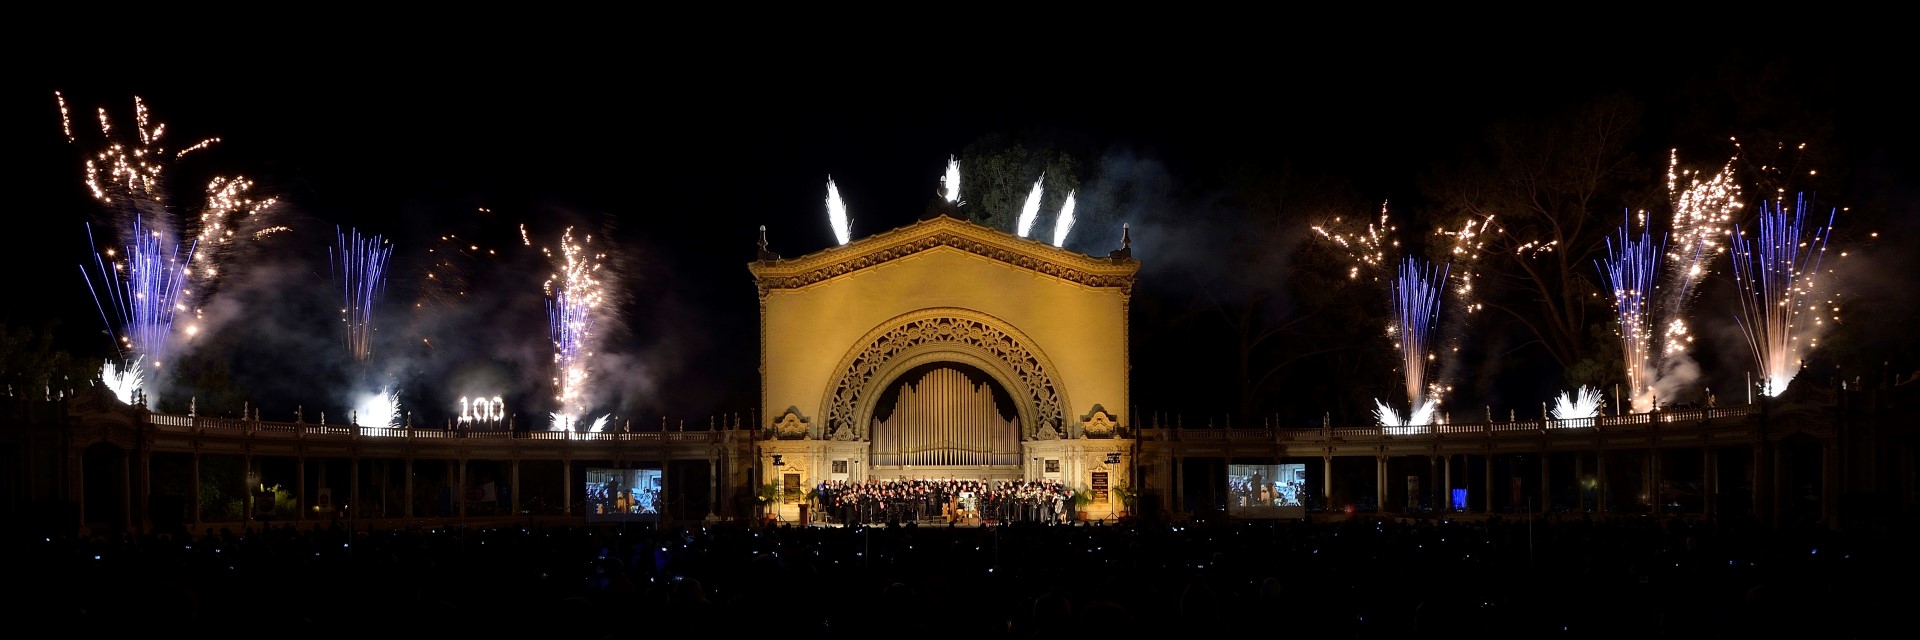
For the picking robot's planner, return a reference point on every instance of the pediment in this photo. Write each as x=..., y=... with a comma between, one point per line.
x=945, y=233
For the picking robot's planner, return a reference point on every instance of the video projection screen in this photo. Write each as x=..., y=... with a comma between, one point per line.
x=622, y=494
x=1267, y=490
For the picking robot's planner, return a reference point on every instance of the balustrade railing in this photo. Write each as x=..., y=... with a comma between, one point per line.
x=1631, y=422
x=203, y=424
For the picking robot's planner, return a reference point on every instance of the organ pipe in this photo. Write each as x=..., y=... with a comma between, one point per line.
x=943, y=419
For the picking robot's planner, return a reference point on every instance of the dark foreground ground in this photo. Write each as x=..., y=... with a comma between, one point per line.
x=1359, y=578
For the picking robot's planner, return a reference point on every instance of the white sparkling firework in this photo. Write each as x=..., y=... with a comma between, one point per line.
x=837, y=214
x=1393, y=424
x=574, y=295
x=563, y=422
x=1703, y=215
x=1030, y=210
x=952, y=180
x=125, y=382
x=1584, y=403
x=1466, y=245
x=380, y=410
x=1065, y=223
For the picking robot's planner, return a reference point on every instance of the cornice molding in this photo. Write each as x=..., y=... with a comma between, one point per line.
x=942, y=231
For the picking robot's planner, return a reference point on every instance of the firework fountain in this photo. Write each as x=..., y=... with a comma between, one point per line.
x=837, y=214
x=1065, y=223
x=1775, y=273
x=951, y=181
x=1031, y=210
x=157, y=279
x=125, y=382
x=359, y=266
x=142, y=294
x=574, y=296
x=1631, y=269
x=1584, y=403
x=1416, y=295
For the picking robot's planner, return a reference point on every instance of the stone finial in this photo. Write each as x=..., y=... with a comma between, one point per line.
x=764, y=253
x=1125, y=252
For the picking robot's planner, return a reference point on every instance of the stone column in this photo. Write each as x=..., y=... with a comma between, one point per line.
x=1580, y=480
x=566, y=485
x=145, y=493
x=460, y=490
x=1830, y=482
x=1487, y=507
x=726, y=488
x=1179, y=475
x=246, y=511
x=193, y=496
x=513, y=502
x=126, y=489
x=1380, y=482
x=353, y=486
x=1546, y=480
x=1600, y=480
x=1709, y=481
x=713, y=483
x=1777, y=472
x=1758, y=476
x=300, y=486
x=1446, y=498
x=409, y=487
x=1433, y=480
x=1654, y=494
x=77, y=485
x=1326, y=484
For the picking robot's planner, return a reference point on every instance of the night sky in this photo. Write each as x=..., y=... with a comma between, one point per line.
x=675, y=162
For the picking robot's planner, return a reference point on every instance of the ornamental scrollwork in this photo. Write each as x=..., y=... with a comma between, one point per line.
x=1035, y=383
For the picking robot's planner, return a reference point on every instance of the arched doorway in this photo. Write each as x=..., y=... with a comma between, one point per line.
x=1801, y=477
x=103, y=477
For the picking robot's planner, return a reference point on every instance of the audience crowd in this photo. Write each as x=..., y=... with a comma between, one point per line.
x=1357, y=578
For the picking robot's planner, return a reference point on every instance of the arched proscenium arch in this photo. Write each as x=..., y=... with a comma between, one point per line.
x=954, y=334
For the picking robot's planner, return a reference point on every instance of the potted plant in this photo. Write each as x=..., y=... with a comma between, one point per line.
x=769, y=499
x=1082, y=498
x=1129, y=496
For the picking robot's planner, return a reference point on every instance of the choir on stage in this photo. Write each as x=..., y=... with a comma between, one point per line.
x=885, y=501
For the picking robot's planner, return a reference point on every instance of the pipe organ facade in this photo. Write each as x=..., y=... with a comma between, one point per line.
x=944, y=418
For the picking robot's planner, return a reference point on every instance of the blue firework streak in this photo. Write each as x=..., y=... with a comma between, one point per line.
x=1416, y=305
x=1776, y=277
x=1631, y=268
x=359, y=266
x=139, y=295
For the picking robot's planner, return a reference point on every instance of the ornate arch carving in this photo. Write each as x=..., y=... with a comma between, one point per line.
x=1009, y=355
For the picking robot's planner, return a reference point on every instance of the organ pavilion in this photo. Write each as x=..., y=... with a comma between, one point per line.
x=946, y=350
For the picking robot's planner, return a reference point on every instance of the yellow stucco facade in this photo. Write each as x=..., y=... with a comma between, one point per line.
x=840, y=325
